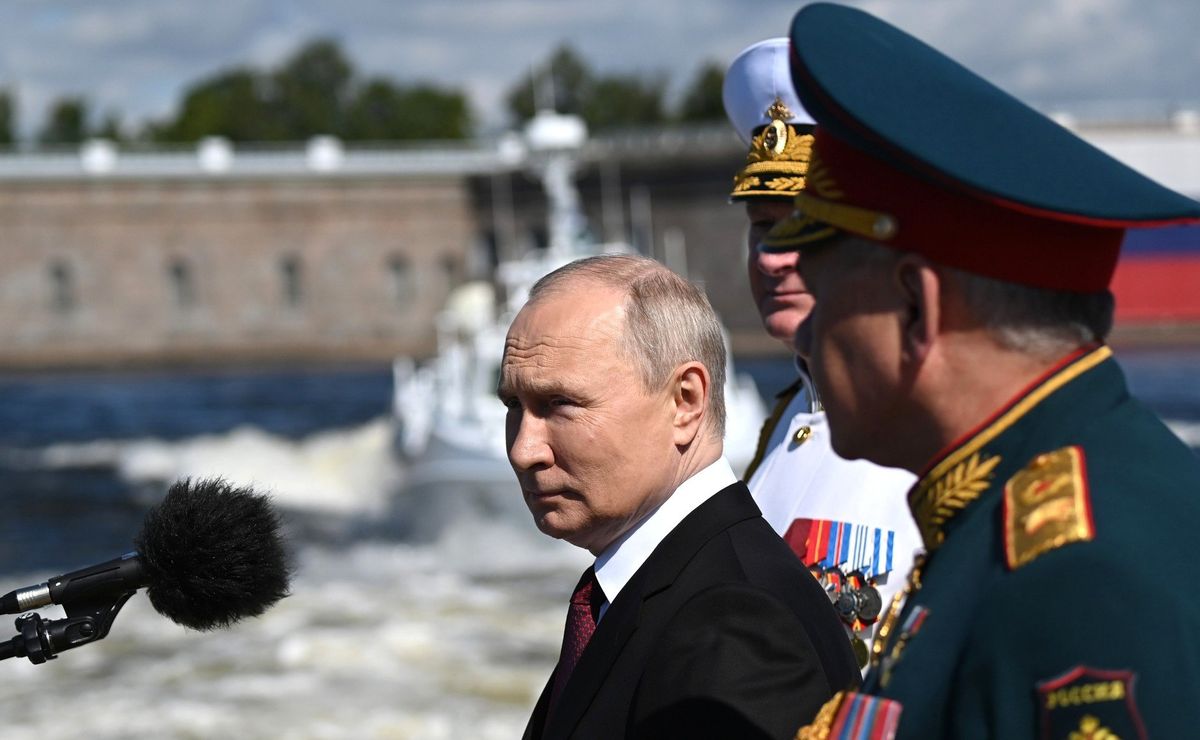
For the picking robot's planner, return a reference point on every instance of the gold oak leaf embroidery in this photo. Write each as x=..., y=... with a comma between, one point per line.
x=952, y=492
x=1090, y=729
x=786, y=183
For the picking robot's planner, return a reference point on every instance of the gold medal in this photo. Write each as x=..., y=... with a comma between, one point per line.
x=861, y=653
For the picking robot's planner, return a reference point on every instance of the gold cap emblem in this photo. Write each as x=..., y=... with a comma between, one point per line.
x=775, y=135
x=778, y=158
x=779, y=111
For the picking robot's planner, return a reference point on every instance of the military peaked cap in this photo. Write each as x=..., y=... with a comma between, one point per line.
x=916, y=152
x=761, y=103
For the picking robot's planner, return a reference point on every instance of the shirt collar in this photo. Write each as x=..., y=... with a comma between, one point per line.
x=812, y=403
x=620, y=560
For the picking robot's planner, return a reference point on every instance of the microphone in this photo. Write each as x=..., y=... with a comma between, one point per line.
x=213, y=554
x=208, y=555
x=99, y=581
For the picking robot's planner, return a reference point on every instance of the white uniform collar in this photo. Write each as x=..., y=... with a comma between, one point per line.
x=620, y=560
x=810, y=392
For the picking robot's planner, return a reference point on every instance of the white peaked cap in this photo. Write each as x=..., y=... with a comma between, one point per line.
x=756, y=78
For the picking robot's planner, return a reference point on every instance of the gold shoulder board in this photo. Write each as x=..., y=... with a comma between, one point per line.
x=1046, y=506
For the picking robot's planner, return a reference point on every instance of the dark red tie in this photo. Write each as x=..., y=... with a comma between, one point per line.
x=581, y=623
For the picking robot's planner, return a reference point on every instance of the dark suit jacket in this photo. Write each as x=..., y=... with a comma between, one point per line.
x=721, y=633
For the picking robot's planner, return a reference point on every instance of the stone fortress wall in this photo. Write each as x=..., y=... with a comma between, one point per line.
x=317, y=253
x=111, y=272
x=307, y=254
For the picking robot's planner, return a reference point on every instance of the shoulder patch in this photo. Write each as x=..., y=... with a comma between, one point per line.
x=1088, y=702
x=1046, y=506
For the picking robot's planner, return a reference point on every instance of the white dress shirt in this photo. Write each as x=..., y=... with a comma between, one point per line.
x=620, y=560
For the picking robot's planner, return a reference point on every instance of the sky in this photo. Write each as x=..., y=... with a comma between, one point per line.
x=1093, y=58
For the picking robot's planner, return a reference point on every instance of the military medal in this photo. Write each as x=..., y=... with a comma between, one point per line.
x=888, y=625
x=861, y=652
x=832, y=579
x=912, y=624
x=859, y=602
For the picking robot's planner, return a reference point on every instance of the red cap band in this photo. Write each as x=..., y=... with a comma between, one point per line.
x=964, y=230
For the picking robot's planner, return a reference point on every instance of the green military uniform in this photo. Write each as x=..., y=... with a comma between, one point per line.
x=1048, y=604
x=1054, y=600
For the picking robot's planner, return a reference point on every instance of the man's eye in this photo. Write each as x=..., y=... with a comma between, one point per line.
x=558, y=402
x=510, y=403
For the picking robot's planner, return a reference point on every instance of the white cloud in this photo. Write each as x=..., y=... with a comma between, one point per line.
x=136, y=56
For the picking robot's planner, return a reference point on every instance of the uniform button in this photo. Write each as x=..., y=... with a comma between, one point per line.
x=802, y=435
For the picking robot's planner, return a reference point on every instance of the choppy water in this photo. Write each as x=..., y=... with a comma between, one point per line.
x=383, y=637
x=380, y=638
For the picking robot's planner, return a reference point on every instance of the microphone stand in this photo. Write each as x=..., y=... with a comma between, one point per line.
x=43, y=639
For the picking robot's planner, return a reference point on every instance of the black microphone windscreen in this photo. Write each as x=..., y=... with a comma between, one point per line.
x=213, y=554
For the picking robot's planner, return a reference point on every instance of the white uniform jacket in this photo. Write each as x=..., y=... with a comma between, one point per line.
x=848, y=521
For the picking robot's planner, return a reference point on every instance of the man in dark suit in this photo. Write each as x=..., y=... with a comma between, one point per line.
x=696, y=619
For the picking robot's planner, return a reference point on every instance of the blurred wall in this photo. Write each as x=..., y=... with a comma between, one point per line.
x=104, y=272
x=150, y=259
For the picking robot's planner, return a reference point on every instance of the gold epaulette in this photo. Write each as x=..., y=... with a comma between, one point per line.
x=1046, y=506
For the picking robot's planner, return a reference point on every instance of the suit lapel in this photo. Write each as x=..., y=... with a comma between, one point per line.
x=729, y=506
x=614, y=630
x=537, y=720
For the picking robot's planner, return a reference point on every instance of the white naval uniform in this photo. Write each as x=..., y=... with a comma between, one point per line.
x=809, y=496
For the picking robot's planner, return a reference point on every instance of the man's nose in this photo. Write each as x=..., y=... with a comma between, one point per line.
x=528, y=445
x=776, y=264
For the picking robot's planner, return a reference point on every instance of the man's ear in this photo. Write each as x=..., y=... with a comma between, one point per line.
x=920, y=290
x=691, y=385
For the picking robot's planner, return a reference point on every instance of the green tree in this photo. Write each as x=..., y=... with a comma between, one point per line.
x=312, y=89
x=381, y=110
x=8, y=115
x=316, y=91
x=563, y=81
x=110, y=127
x=702, y=100
x=66, y=122
x=374, y=111
x=233, y=104
x=624, y=101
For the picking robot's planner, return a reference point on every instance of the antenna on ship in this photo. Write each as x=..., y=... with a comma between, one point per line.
x=544, y=94
x=555, y=140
